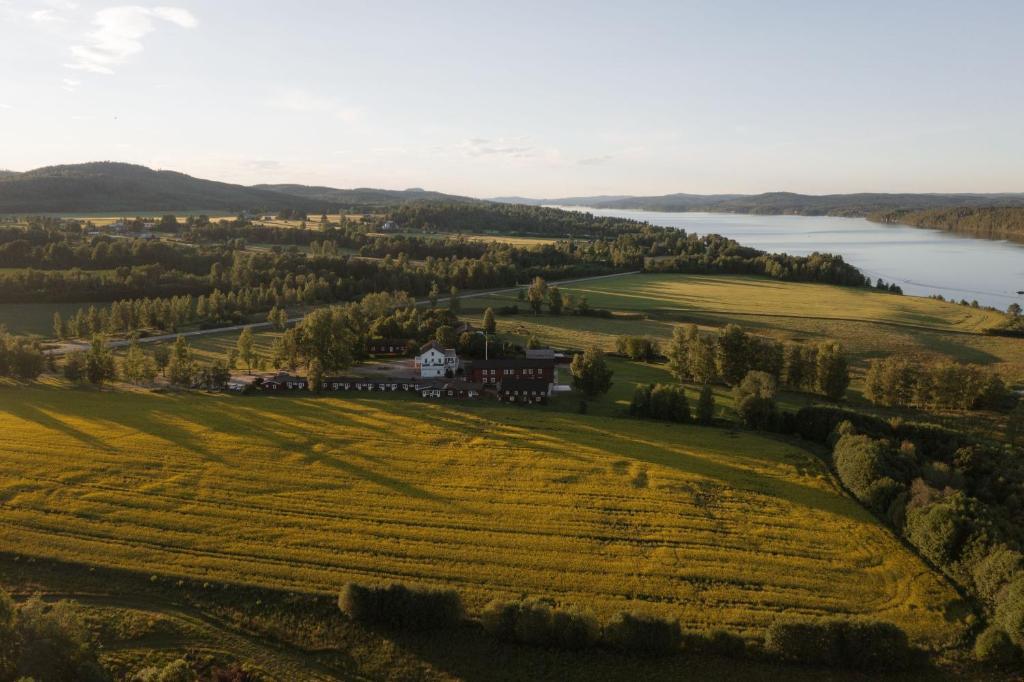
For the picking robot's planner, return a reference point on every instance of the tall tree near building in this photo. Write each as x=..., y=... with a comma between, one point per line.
x=454, y=304
x=490, y=324
x=555, y=301
x=181, y=368
x=99, y=362
x=590, y=372
x=315, y=375
x=247, y=349
x=536, y=294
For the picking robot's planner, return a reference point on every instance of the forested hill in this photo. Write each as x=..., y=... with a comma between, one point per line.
x=988, y=222
x=785, y=202
x=105, y=186
x=108, y=186
x=363, y=196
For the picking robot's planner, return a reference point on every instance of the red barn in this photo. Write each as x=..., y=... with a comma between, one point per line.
x=493, y=372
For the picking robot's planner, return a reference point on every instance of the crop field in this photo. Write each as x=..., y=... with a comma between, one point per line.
x=714, y=527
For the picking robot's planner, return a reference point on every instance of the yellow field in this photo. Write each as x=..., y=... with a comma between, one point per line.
x=712, y=527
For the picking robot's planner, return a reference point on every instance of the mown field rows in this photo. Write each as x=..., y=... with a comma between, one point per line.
x=713, y=527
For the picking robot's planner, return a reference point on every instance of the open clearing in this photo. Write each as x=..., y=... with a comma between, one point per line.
x=716, y=528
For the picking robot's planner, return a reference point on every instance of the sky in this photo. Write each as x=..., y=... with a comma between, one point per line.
x=540, y=99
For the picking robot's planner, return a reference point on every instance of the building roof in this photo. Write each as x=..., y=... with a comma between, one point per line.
x=538, y=385
x=432, y=344
x=540, y=354
x=282, y=377
x=511, y=363
x=389, y=342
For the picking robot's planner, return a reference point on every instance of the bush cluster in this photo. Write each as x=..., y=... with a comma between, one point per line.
x=641, y=633
x=537, y=622
x=660, y=401
x=401, y=607
x=857, y=645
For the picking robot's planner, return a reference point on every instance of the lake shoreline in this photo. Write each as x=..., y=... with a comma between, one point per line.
x=923, y=261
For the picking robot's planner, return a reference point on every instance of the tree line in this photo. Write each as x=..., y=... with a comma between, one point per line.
x=897, y=381
x=955, y=499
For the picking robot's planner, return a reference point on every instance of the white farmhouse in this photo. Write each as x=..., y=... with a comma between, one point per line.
x=435, y=361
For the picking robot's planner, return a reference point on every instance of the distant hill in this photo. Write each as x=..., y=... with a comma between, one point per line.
x=784, y=202
x=119, y=187
x=363, y=196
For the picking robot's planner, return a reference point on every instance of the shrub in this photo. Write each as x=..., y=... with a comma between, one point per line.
x=994, y=646
x=870, y=469
x=642, y=634
x=537, y=622
x=1010, y=611
x=755, y=399
x=996, y=570
x=857, y=645
x=817, y=423
x=717, y=643
x=661, y=401
x=938, y=530
x=813, y=643
x=401, y=607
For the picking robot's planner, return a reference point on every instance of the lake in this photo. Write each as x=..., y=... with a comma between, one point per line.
x=923, y=262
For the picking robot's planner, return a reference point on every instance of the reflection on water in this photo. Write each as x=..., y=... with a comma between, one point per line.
x=923, y=262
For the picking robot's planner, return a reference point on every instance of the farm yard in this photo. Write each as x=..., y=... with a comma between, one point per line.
x=714, y=527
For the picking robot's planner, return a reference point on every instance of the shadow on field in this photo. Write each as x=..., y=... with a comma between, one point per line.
x=944, y=344
x=469, y=654
x=814, y=498
x=23, y=409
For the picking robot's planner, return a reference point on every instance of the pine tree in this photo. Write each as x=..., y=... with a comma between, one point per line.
x=59, y=332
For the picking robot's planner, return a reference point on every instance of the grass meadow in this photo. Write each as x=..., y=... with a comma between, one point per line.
x=716, y=528
x=869, y=324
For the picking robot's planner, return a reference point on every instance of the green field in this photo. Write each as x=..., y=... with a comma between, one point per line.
x=36, y=318
x=713, y=527
x=868, y=324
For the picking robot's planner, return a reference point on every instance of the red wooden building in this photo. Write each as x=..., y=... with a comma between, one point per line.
x=493, y=372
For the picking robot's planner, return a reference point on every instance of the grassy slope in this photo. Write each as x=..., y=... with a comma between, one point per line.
x=869, y=324
x=713, y=527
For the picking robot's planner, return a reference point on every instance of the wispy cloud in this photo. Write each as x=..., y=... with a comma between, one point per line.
x=6, y=106
x=119, y=33
x=70, y=84
x=513, y=149
x=595, y=160
x=304, y=102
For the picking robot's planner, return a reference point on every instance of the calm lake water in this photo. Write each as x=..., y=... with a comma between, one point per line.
x=923, y=262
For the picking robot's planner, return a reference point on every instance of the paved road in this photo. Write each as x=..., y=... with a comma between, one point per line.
x=70, y=347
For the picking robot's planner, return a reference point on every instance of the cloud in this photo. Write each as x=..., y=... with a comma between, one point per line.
x=46, y=16
x=6, y=106
x=70, y=84
x=119, y=33
x=303, y=102
x=595, y=160
x=513, y=149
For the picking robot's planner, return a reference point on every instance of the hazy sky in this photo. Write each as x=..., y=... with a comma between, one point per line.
x=532, y=98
